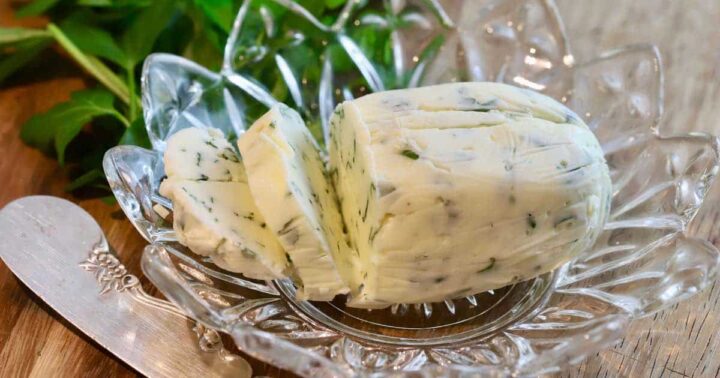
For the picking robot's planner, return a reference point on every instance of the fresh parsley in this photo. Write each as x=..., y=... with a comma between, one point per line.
x=109, y=40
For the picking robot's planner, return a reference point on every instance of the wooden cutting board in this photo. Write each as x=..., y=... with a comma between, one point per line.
x=679, y=342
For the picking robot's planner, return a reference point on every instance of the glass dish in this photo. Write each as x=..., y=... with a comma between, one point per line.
x=643, y=261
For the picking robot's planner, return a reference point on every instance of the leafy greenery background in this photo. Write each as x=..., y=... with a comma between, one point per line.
x=109, y=40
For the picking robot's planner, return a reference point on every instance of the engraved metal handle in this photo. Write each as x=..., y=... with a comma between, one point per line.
x=111, y=275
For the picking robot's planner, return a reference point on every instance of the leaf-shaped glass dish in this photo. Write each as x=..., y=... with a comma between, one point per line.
x=642, y=262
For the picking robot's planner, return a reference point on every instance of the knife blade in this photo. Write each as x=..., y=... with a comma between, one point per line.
x=59, y=251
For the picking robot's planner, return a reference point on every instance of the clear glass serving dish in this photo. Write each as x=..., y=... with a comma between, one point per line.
x=643, y=261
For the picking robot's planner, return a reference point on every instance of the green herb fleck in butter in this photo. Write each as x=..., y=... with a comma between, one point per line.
x=509, y=181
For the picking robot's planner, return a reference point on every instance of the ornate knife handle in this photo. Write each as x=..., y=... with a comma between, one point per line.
x=111, y=275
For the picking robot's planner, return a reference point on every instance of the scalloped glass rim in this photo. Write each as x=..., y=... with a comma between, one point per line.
x=642, y=263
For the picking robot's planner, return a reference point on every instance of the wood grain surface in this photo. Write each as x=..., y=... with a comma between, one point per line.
x=679, y=342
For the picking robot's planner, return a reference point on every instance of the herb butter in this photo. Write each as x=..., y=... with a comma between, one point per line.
x=455, y=189
x=287, y=178
x=214, y=213
x=202, y=155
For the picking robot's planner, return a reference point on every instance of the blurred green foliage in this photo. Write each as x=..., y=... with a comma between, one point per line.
x=109, y=39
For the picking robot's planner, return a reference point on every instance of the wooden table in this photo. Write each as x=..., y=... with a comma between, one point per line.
x=679, y=342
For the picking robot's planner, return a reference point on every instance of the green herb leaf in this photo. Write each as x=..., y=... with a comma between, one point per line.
x=315, y=7
x=490, y=266
x=532, y=223
x=139, y=38
x=95, y=41
x=136, y=135
x=109, y=200
x=24, y=53
x=437, y=9
x=410, y=154
x=85, y=179
x=332, y=4
x=91, y=103
x=12, y=36
x=220, y=12
x=340, y=59
x=114, y=3
x=203, y=48
x=176, y=36
x=61, y=124
x=36, y=7
x=94, y=66
x=95, y=3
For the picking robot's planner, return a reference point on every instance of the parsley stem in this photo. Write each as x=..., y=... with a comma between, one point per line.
x=16, y=35
x=134, y=103
x=91, y=64
x=121, y=118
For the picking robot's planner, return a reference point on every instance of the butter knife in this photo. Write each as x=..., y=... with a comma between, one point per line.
x=58, y=251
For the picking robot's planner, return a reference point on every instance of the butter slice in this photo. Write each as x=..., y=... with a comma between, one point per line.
x=214, y=213
x=287, y=178
x=202, y=155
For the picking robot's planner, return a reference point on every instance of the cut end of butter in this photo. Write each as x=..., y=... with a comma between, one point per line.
x=214, y=213
x=286, y=175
